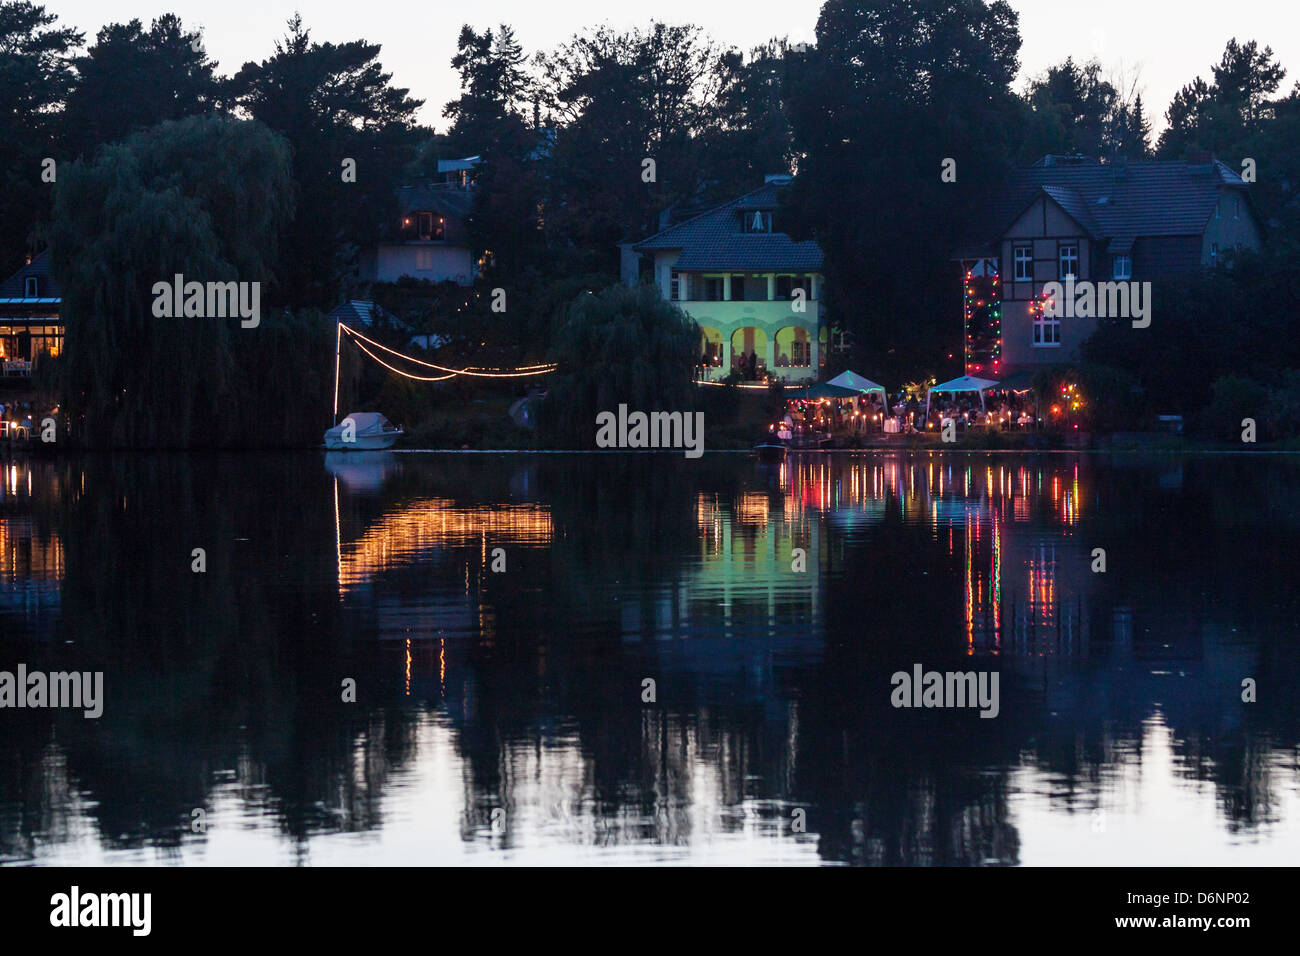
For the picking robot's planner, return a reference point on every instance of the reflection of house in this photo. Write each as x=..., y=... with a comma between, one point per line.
x=1071, y=217
x=430, y=240
x=751, y=288
x=29, y=317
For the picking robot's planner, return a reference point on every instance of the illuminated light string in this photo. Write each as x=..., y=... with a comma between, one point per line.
x=418, y=378
x=475, y=371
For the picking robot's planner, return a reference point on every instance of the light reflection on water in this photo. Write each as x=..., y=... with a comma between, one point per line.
x=500, y=716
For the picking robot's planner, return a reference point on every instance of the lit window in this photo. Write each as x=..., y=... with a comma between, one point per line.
x=1123, y=267
x=1047, y=329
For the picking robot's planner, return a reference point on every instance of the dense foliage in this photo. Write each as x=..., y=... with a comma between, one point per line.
x=206, y=198
x=619, y=346
x=867, y=117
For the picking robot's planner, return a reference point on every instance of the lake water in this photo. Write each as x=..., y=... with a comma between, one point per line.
x=501, y=715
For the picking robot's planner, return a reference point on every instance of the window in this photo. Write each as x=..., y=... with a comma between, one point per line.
x=713, y=288
x=424, y=260
x=1236, y=209
x=1023, y=256
x=757, y=221
x=1214, y=253
x=31, y=287
x=737, y=288
x=1068, y=258
x=1047, y=329
x=674, y=285
x=786, y=285
x=1123, y=268
x=429, y=227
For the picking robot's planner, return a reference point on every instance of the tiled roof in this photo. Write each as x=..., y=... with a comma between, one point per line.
x=1119, y=202
x=15, y=287
x=450, y=200
x=713, y=240
x=1075, y=205
x=358, y=312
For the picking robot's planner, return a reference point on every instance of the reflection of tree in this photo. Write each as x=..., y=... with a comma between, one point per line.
x=238, y=667
x=227, y=684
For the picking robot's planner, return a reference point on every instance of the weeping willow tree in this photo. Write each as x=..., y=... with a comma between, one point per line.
x=621, y=345
x=205, y=198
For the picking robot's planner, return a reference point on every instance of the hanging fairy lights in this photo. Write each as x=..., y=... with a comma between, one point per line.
x=982, y=307
x=475, y=371
x=523, y=371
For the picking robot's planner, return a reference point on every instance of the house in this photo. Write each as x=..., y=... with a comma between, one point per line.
x=29, y=318
x=360, y=314
x=1074, y=218
x=430, y=240
x=752, y=289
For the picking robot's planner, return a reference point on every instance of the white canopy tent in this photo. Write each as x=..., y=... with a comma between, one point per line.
x=859, y=384
x=966, y=383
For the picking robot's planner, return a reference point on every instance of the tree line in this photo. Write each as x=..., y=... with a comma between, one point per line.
x=864, y=116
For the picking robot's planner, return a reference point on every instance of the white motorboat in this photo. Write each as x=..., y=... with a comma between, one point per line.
x=362, y=431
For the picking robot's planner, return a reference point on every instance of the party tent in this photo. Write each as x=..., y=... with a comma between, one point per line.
x=859, y=384
x=967, y=383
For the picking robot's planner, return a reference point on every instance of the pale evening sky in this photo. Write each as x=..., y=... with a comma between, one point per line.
x=1168, y=41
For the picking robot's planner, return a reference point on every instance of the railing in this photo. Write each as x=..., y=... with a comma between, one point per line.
x=17, y=368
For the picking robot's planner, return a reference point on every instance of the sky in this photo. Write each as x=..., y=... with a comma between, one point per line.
x=1161, y=43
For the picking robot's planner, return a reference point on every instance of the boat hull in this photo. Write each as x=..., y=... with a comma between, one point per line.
x=362, y=442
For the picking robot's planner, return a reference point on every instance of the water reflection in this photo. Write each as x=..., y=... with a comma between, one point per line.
x=501, y=714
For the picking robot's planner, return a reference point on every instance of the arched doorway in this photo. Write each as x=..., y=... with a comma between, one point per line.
x=748, y=352
x=710, y=348
x=793, y=348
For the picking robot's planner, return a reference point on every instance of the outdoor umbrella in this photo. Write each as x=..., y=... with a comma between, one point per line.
x=822, y=390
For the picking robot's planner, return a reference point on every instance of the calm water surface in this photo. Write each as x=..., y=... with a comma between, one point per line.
x=499, y=716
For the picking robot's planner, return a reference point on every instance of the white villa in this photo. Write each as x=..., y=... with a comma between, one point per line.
x=752, y=289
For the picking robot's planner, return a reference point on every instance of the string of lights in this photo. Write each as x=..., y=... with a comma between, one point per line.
x=418, y=378
x=475, y=371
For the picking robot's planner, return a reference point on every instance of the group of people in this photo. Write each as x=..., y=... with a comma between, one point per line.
x=1005, y=413
x=16, y=419
x=746, y=365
